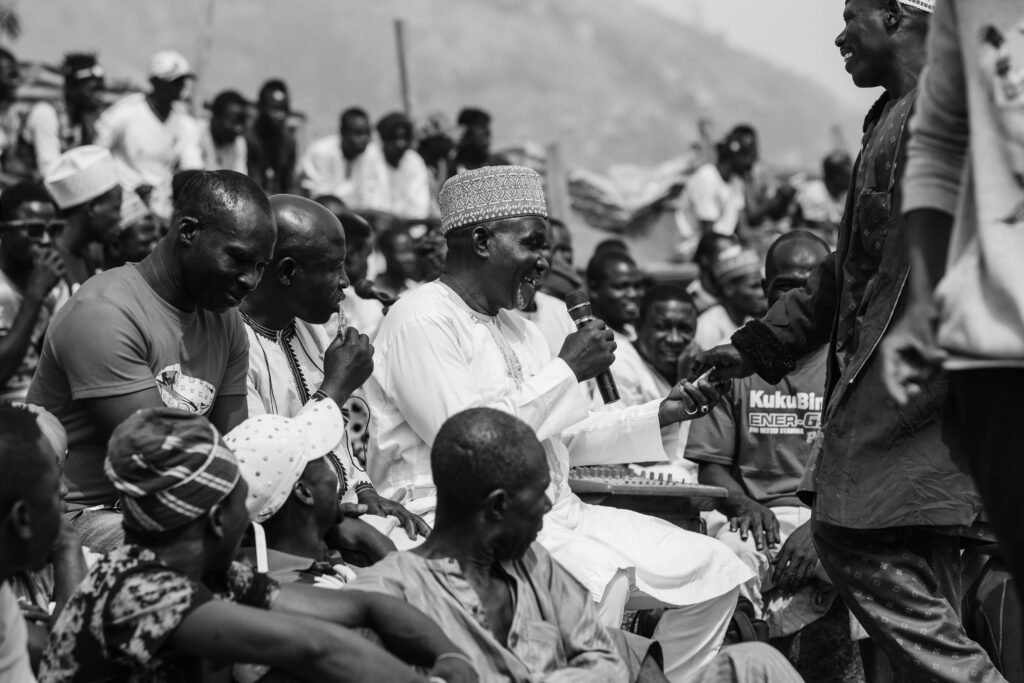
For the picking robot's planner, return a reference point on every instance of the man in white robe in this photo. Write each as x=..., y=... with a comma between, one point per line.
x=455, y=343
x=295, y=355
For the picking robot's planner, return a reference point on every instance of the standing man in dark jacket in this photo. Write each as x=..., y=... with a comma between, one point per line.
x=890, y=503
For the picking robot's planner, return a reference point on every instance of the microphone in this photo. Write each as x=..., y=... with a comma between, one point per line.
x=579, y=310
x=365, y=289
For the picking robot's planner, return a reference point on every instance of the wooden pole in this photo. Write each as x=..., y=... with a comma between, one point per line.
x=403, y=72
x=557, y=190
x=203, y=51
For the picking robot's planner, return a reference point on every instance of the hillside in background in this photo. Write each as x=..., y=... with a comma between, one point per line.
x=612, y=80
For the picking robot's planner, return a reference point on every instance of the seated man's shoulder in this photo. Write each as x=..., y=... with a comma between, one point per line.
x=326, y=145
x=119, y=290
x=431, y=301
x=391, y=575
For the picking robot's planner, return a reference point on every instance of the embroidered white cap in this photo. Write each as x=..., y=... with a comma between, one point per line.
x=80, y=175
x=273, y=451
x=169, y=65
x=925, y=5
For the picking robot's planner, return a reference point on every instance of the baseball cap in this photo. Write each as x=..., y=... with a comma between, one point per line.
x=169, y=65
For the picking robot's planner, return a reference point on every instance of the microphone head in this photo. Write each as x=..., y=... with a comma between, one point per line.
x=578, y=304
x=365, y=289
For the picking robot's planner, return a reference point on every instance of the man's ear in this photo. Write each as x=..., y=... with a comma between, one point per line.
x=20, y=519
x=494, y=505
x=188, y=230
x=215, y=520
x=286, y=268
x=893, y=14
x=303, y=493
x=482, y=239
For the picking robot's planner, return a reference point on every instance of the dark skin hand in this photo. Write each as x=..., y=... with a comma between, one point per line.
x=796, y=562
x=377, y=504
x=746, y=515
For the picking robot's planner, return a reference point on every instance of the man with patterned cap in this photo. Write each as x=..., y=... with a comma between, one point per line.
x=456, y=343
x=84, y=184
x=737, y=275
x=890, y=504
x=171, y=597
x=152, y=135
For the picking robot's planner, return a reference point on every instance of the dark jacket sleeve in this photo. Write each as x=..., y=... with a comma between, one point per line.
x=797, y=325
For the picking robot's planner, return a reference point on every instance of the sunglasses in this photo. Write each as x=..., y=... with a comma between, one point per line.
x=35, y=229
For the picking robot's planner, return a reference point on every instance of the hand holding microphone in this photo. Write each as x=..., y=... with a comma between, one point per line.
x=589, y=351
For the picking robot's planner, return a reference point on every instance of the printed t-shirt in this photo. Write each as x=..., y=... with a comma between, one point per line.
x=764, y=432
x=116, y=336
x=118, y=625
x=16, y=387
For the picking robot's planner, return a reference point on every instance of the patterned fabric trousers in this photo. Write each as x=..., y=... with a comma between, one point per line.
x=904, y=586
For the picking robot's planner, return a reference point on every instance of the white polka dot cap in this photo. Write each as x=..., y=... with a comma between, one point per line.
x=273, y=451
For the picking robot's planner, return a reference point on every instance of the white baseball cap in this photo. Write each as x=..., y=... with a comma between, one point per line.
x=80, y=175
x=169, y=65
x=273, y=451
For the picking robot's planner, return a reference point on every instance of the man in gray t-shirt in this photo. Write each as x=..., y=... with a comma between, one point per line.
x=163, y=332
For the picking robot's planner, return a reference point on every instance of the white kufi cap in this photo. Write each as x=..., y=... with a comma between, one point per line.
x=80, y=175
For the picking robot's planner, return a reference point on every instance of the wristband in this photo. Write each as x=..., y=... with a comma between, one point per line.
x=457, y=656
x=319, y=395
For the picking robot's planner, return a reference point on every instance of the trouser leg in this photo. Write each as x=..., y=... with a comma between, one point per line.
x=980, y=426
x=691, y=636
x=893, y=580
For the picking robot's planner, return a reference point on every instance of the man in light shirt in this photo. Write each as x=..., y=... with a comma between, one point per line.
x=223, y=137
x=152, y=135
x=347, y=165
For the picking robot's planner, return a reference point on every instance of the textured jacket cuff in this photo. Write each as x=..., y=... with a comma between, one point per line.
x=770, y=357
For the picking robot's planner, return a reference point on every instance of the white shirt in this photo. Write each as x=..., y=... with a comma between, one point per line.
x=149, y=151
x=553, y=320
x=43, y=130
x=708, y=198
x=361, y=183
x=14, y=662
x=285, y=369
x=714, y=327
x=409, y=187
x=365, y=315
x=233, y=156
x=436, y=357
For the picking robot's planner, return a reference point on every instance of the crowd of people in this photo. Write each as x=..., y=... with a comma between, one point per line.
x=271, y=413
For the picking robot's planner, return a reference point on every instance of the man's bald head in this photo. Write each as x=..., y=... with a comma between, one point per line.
x=218, y=198
x=304, y=227
x=790, y=261
x=479, y=451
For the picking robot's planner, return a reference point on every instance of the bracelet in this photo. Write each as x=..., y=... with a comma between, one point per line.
x=457, y=656
x=319, y=395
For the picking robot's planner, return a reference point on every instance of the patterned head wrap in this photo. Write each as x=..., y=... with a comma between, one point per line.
x=491, y=193
x=170, y=466
x=925, y=5
x=735, y=262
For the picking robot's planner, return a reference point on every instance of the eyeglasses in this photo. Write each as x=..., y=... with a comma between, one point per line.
x=35, y=229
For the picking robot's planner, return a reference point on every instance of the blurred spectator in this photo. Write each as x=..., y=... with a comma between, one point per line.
x=737, y=275
x=474, y=149
x=272, y=149
x=138, y=233
x=408, y=177
x=704, y=289
x=10, y=120
x=83, y=183
x=152, y=136
x=436, y=146
x=820, y=203
x=431, y=250
x=612, y=244
x=54, y=127
x=561, y=277
x=222, y=138
x=714, y=198
x=30, y=495
x=32, y=287
x=396, y=245
x=347, y=165
x=616, y=288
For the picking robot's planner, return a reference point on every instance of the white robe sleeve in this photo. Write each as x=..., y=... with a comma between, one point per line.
x=612, y=436
x=429, y=380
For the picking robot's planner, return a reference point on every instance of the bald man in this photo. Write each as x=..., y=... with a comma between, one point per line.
x=757, y=444
x=297, y=352
x=159, y=333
